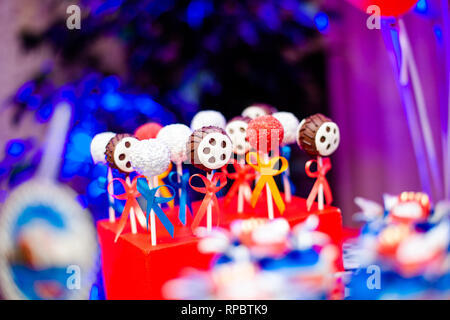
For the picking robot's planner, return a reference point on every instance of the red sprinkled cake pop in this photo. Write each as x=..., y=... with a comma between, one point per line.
x=148, y=131
x=265, y=134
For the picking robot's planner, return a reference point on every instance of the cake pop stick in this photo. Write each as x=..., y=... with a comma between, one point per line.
x=242, y=176
x=237, y=131
x=265, y=134
x=132, y=213
x=290, y=124
x=209, y=149
x=117, y=153
x=153, y=207
x=98, y=148
x=150, y=158
x=152, y=216
x=165, y=192
x=209, y=175
x=269, y=195
x=130, y=195
x=185, y=201
x=318, y=136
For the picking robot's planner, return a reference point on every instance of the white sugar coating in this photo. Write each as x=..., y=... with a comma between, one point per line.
x=208, y=118
x=175, y=137
x=150, y=157
x=290, y=125
x=98, y=146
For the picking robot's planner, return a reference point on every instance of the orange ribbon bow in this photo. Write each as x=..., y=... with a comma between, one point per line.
x=267, y=171
x=320, y=180
x=210, y=189
x=130, y=195
x=242, y=176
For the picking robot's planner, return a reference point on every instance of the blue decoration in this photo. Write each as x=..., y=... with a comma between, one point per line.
x=153, y=203
x=184, y=200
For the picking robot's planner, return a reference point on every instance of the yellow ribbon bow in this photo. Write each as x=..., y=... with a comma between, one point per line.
x=267, y=171
x=165, y=192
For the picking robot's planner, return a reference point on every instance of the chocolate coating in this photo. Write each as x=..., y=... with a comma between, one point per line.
x=318, y=135
x=111, y=147
x=212, y=154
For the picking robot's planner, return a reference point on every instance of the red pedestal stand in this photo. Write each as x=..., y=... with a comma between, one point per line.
x=134, y=269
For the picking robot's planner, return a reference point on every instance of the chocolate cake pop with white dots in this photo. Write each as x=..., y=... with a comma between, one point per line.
x=209, y=148
x=318, y=135
x=237, y=131
x=118, y=152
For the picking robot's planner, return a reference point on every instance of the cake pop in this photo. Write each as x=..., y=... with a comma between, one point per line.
x=118, y=151
x=150, y=158
x=265, y=134
x=237, y=131
x=148, y=131
x=209, y=149
x=258, y=110
x=208, y=118
x=98, y=146
x=318, y=136
x=290, y=124
x=176, y=136
x=98, y=149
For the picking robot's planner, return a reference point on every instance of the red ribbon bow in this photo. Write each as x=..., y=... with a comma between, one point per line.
x=321, y=180
x=210, y=189
x=242, y=176
x=130, y=195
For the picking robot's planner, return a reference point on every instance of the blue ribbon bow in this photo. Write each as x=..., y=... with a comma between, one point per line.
x=153, y=202
x=184, y=199
x=286, y=152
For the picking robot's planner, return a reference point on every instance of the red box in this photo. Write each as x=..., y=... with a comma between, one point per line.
x=133, y=269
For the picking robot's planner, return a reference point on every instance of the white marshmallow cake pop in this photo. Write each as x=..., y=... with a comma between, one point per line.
x=118, y=152
x=290, y=125
x=98, y=146
x=150, y=157
x=208, y=118
x=209, y=148
x=175, y=137
x=237, y=131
